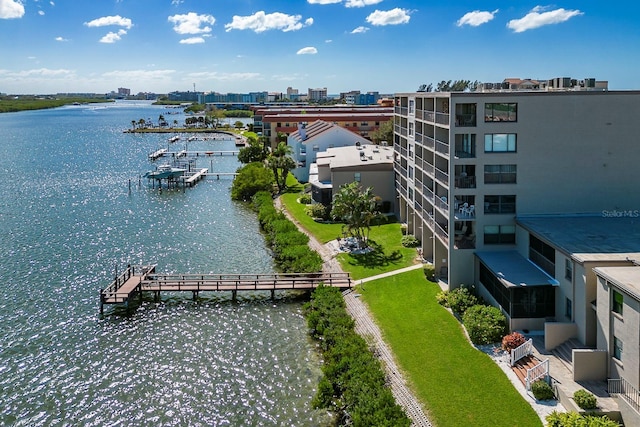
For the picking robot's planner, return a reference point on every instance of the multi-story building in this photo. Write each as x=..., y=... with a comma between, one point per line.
x=317, y=94
x=270, y=121
x=468, y=163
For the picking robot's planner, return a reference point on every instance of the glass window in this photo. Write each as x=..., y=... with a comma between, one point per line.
x=617, y=348
x=501, y=112
x=499, y=234
x=412, y=106
x=618, y=301
x=499, y=204
x=500, y=143
x=316, y=147
x=568, y=308
x=500, y=174
x=356, y=177
x=568, y=269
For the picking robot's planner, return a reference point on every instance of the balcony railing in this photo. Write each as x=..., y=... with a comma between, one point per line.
x=403, y=111
x=441, y=203
x=428, y=169
x=442, y=176
x=465, y=120
x=465, y=181
x=548, y=266
x=428, y=142
x=442, y=148
x=626, y=391
x=461, y=154
x=442, y=118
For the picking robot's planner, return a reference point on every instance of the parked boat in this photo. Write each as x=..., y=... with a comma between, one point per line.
x=165, y=171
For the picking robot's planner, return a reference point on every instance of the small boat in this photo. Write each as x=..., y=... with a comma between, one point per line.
x=239, y=142
x=174, y=139
x=165, y=171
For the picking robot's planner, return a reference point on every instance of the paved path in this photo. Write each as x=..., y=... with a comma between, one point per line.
x=366, y=327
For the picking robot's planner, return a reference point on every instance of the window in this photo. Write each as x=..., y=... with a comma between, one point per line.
x=500, y=143
x=412, y=106
x=568, y=269
x=501, y=112
x=316, y=147
x=500, y=174
x=543, y=255
x=411, y=129
x=356, y=177
x=499, y=204
x=568, y=309
x=499, y=234
x=618, y=301
x=617, y=348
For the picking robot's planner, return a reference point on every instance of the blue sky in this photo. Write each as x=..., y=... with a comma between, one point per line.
x=51, y=46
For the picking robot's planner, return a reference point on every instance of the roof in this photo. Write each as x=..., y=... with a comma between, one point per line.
x=319, y=127
x=364, y=155
x=514, y=270
x=605, y=237
x=625, y=278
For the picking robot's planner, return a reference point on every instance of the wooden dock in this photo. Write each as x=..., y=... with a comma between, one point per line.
x=184, y=153
x=136, y=280
x=192, y=179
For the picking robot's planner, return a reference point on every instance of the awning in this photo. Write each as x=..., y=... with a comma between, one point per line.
x=514, y=270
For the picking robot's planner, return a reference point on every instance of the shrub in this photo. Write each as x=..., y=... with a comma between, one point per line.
x=251, y=179
x=585, y=400
x=317, y=210
x=403, y=229
x=430, y=273
x=572, y=419
x=458, y=300
x=512, y=341
x=484, y=324
x=410, y=241
x=542, y=390
x=305, y=199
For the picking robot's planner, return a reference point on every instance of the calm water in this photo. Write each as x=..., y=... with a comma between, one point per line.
x=72, y=210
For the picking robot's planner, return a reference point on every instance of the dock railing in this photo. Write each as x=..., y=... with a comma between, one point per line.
x=625, y=390
x=539, y=371
x=524, y=350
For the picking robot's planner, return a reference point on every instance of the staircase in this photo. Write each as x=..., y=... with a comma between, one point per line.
x=564, y=352
x=521, y=366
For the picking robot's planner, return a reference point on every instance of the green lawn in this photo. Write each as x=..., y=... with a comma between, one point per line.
x=388, y=253
x=459, y=385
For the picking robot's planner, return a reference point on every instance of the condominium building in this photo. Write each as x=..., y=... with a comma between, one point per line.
x=468, y=164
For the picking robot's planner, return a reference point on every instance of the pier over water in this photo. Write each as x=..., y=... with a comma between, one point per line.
x=135, y=280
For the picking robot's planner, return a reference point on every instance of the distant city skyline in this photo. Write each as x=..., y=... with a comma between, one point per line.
x=239, y=46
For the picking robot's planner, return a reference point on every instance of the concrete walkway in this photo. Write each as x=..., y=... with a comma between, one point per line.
x=366, y=327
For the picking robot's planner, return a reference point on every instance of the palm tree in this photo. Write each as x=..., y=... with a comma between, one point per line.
x=357, y=208
x=281, y=164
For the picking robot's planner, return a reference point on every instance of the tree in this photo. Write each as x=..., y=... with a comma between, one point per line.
x=253, y=152
x=425, y=88
x=383, y=133
x=238, y=124
x=251, y=178
x=281, y=164
x=357, y=208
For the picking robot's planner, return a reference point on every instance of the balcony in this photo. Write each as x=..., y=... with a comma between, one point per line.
x=465, y=181
x=442, y=148
x=441, y=203
x=442, y=118
x=442, y=176
x=465, y=120
x=428, y=142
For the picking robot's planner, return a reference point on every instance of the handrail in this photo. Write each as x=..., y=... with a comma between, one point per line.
x=523, y=350
x=537, y=372
x=626, y=390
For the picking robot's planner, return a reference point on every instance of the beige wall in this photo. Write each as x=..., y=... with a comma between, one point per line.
x=589, y=365
x=555, y=333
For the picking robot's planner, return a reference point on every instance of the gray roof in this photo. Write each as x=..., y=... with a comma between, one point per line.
x=512, y=269
x=625, y=278
x=610, y=236
x=362, y=156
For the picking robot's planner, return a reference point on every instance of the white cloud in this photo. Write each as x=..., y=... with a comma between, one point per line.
x=41, y=12
x=361, y=3
x=360, y=30
x=537, y=18
x=389, y=17
x=324, y=1
x=310, y=50
x=139, y=75
x=192, y=23
x=213, y=75
x=192, y=40
x=260, y=22
x=10, y=9
x=112, y=37
x=43, y=72
x=476, y=18
x=61, y=39
x=106, y=21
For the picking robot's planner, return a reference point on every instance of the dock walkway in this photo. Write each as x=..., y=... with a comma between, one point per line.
x=136, y=280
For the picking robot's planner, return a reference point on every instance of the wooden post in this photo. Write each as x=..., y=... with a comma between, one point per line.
x=234, y=295
x=273, y=294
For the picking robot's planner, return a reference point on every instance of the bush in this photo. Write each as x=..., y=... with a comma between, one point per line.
x=305, y=199
x=317, y=210
x=403, y=229
x=585, y=400
x=573, y=419
x=542, y=390
x=484, y=324
x=458, y=300
x=251, y=179
x=430, y=273
x=410, y=241
x=512, y=341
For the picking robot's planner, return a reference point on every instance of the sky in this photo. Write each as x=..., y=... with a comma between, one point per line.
x=231, y=46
